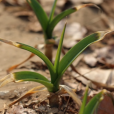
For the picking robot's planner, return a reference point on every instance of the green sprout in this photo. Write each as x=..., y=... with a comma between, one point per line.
x=92, y=104
x=48, y=23
x=60, y=66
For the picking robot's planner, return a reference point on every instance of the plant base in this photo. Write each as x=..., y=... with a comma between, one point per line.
x=54, y=100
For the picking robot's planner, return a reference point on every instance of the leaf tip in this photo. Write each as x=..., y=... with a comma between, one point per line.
x=103, y=92
x=10, y=42
x=102, y=34
x=85, y=5
x=65, y=23
x=6, y=80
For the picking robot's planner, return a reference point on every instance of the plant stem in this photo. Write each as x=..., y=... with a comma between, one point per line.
x=49, y=51
x=53, y=100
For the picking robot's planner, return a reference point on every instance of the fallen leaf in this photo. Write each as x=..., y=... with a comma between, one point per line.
x=97, y=75
x=106, y=106
x=90, y=60
x=74, y=29
x=91, y=1
x=105, y=6
x=34, y=27
x=106, y=54
x=72, y=94
x=94, y=79
x=68, y=43
x=76, y=32
x=15, y=66
x=23, y=13
x=18, y=109
x=14, y=2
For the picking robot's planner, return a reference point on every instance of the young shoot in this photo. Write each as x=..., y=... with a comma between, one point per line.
x=48, y=23
x=60, y=66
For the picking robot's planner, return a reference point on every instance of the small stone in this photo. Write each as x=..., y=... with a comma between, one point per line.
x=4, y=94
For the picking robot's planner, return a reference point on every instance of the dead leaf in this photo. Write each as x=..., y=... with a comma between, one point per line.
x=97, y=75
x=15, y=66
x=101, y=83
x=18, y=109
x=106, y=54
x=23, y=13
x=105, y=6
x=68, y=43
x=90, y=60
x=106, y=106
x=91, y=1
x=72, y=94
x=30, y=92
x=103, y=55
x=76, y=32
x=15, y=2
x=34, y=27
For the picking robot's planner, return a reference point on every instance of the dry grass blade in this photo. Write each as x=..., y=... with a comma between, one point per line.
x=86, y=5
x=6, y=82
x=72, y=94
x=10, y=42
x=7, y=79
x=1, y=80
x=30, y=92
x=15, y=66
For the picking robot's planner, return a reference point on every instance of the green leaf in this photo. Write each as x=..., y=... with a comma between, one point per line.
x=31, y=76
x=82, y=109
x=52, y=11
x=56, y=65
x=75, y=51
x=57, y=19
x=48, y=85
x=62, y=15
x=40, y=13
x=42, y=56
x=36, y=52
x=93, y=103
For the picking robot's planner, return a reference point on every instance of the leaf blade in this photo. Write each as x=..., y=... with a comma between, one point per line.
x=48, y=85
x=26, y=76
x=40, y=13
x=72, y=94
x=62, y=15
x=56, y=64
x=74, y=52
x=52, y=11
x=36, y=52
x=78, y=48
x=30, y=75
x=94, y=102
x=82, y=109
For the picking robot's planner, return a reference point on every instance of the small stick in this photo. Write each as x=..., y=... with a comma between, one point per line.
x=67, y=105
